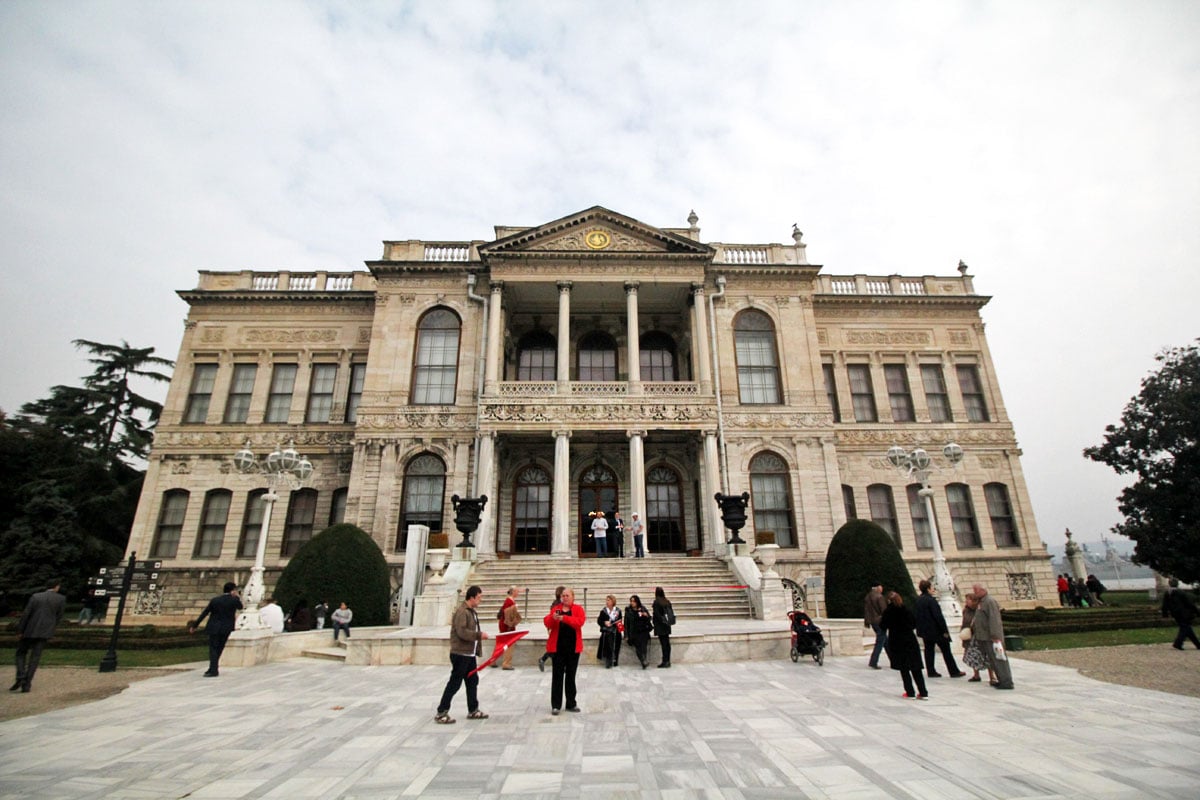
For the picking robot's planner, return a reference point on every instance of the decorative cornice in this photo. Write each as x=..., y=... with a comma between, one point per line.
x=206, y=296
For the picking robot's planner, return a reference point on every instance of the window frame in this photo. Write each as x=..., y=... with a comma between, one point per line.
x=434, y=339
x=298, y=530
x=657, y=360
x=535, y=495
x=279, y=400
x=863, y=400
x=598, y=348
x=354, y=390
x=765, y=510
x=963, y=524
x=322, y=384
x=937, y=396
x=756, y=358
x=971, y=385
x=200, y=392
x=919, y=521
x=252, y=517
x=537, y=345
x=881, y=501
x=210, y=535
x=237, y=401
x=168, y=531
x=895, y=379
x=420, y=478
x=830, y=377
x=999, y=519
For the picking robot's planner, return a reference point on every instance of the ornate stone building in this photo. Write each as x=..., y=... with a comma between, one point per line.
x=592, y=361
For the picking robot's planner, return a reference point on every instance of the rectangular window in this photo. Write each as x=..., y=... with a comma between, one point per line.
x=358, y=375
x=170, y=524
x=962, y=517
x=256, y=505
x=862, y=393
x=920, y=518
x=337, y=508
x=883, y=510
x=212, y=525
x=848, y=502
x=237, y=406
x=938, y=401
x=302, y=513
x=1000, y=510
x=320, y=392
x=200, y=393
x=279, y=401
x=831, y=391
x=972, y=392
x=899, y=395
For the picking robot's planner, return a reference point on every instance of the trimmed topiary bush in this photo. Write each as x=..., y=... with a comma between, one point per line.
x=861, y=554
x=341, y=564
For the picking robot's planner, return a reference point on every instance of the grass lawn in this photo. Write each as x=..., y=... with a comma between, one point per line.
x=125, y=658
x=1064, y=641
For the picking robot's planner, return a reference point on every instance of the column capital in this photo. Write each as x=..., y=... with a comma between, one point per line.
x=559, y=434
x=698, y=289
x=497, y=287
x=629, y=434
x=564, y=287
x=631, y=287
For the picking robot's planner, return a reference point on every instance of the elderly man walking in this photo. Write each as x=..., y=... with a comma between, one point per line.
x=990, y=628
x=42, y=615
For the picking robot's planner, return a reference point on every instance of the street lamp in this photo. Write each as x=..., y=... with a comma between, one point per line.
x=282, y=467
x=918, y=464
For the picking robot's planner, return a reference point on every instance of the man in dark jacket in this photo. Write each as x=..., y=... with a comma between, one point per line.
x=42, y=615
x=931, y=627
x=874, y=605
x=1180, y=607
x=222, y=617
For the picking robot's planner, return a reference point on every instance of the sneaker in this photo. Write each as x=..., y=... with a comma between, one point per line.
x=554, y=712
x=906, y=696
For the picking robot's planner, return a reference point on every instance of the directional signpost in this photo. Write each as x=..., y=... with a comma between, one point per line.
x=119, y=581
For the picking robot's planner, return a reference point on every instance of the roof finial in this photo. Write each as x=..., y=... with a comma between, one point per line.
x=797, y=234
x=693, y=219
x=962, y=267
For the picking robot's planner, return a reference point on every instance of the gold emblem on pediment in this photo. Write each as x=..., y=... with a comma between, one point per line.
x=597, y=239
x=593, y=239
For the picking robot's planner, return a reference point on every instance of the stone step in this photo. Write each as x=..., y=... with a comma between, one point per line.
x=325, y=653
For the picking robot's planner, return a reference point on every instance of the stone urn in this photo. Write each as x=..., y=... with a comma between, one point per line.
x=767, y=553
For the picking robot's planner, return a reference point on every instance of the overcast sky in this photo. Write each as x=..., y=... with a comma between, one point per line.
x=1054, y=147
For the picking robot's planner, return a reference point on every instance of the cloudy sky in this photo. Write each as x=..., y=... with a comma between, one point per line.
x=1053, y=146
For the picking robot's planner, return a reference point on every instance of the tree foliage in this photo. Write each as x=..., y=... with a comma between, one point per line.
x=67, y=490
x=860, y=555
x=341, y=564
x=1158, y=442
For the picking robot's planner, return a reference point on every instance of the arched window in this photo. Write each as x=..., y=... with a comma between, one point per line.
x=424, y=496
x=657, y=354
x=435, y=358
x=170, y=524
x=212, y=524
x=337, y=507
x=531, y=511
x=772, y=498
x=597, y=357
x=848, y=503
x=757, y=359
x=922, y=529
x=962, y=516
x=664, y=511
x=301, y=515
x=1004, y=527
x=883, y=510
x=537, y=357
x=256, y=505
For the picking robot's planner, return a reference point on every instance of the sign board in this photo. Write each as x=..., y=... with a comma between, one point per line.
x=145, y=565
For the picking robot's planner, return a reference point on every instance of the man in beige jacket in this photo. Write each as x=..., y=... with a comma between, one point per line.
x=465, y=636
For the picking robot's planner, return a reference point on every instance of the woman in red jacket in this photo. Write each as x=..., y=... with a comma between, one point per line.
x=565, y=623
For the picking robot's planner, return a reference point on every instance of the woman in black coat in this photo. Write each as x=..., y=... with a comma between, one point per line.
x=664, y=618
x=902, y=648
x=610, y=624
x=637, y=627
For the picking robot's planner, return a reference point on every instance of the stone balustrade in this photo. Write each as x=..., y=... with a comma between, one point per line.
x=286, y=281
x=885, y=285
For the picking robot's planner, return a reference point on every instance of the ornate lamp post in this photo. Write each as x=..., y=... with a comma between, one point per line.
x=467, y=512
x=918, y=464
x=283, y=467
x=733, y=513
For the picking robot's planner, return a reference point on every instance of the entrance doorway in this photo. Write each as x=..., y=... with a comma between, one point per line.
x=597, y=490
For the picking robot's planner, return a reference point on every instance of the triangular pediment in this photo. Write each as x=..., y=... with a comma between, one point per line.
x=595, y=232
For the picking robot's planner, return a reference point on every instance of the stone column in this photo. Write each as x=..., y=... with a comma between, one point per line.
x=562, y=363
x=485, y=541
x=560, y=544
x=712, y=485
x=703, y=345
x=637, y=478
x=383, y=535
x=634, y=345
x=492, y=369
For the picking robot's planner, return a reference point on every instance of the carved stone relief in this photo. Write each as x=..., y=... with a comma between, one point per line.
x=887, y=337
x=293, y=336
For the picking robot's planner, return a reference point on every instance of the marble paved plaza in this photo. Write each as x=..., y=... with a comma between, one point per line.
x=313, y=729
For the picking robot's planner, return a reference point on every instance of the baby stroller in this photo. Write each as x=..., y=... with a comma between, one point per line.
x=806, y=638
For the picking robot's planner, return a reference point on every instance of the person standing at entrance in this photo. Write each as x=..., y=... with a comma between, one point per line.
x=618, y=528
x=38, y=623
x=638, y=530
x=465, y=636
x=222, y=616
x=600, y=532
x=565, y=623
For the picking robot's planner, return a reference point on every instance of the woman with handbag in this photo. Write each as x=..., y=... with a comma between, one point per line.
x=637, y=628
x=610, y=632
x=664, y=618
x=972, y=654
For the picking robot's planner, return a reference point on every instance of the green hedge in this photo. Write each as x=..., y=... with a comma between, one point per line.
x=97, y=637
x=1076, y=620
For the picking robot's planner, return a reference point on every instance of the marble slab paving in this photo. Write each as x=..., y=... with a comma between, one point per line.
x=309, y=728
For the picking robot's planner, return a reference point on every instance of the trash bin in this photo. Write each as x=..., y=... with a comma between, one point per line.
x=1014, y=643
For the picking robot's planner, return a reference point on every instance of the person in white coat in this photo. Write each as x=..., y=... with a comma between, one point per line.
x=272, y=615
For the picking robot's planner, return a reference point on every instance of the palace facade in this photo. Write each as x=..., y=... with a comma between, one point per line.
x=590, y=362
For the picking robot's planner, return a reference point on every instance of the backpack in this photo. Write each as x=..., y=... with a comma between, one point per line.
x=668, y=615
